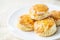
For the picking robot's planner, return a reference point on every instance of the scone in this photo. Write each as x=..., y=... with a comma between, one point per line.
x=45, y=27
x=56, y=15
x=39, y=11
x=26, y=23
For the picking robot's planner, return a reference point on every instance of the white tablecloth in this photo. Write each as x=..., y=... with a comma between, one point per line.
x=9, y=6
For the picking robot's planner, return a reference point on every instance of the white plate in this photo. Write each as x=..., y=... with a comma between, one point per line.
x=12, y=22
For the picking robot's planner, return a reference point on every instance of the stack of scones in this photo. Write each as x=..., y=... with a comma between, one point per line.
x=40, y=20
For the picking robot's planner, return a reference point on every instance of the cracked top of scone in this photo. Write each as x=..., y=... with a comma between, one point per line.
x=40, y=8
x=44, y=25
x=26, y=20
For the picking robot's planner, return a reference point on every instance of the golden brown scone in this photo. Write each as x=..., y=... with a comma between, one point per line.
x=40, y=7
x=39, y=11
x=45, y=27
x=56, y=15
x=26, y=23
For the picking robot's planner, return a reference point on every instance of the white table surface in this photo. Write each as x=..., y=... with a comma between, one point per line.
x=9, y=6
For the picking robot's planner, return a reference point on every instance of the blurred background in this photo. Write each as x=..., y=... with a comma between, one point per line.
x=9, y=6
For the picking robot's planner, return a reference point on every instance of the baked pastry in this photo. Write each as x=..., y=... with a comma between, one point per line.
x=26, y=23
x=45, y=27
x=56, y=15
x=39, y=11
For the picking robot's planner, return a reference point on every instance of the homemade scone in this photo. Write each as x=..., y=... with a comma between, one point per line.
x=39, y=11
x=56, y=15
x=26, y=23
x=45, y=27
